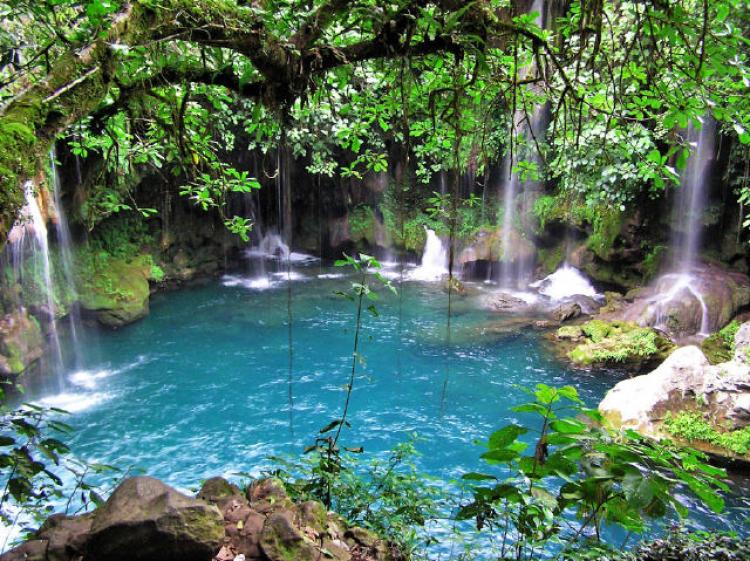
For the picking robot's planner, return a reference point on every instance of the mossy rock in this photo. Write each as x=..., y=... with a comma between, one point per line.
x=619, y=342
x=21, y=343
x=570, y=332
x=719, y=346
x=115, y=290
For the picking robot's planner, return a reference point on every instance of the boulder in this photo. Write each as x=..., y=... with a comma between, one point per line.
x=21, y=342
x=66, y=536
x=716, y=396
x=115, y=290
x=280, y=540
x=566, y=311
x=146, y=520
x=685, y=304
x=504, y=302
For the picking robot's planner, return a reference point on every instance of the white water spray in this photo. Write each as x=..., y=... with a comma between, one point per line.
x=434, y=264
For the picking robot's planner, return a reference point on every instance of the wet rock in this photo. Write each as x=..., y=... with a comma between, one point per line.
x=116, y=291
x=677, y=303
x=504, y=302
x=21, y=343
x=145, y=519
x=616, y=343
x=566, y=311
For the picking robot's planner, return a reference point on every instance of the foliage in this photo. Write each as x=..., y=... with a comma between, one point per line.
x=329, y=461
x=578, y=476
x=362, y=223
x=719, y=347
x=384, y=494
x=677, y=544
x=34, y=461
x=692, y=426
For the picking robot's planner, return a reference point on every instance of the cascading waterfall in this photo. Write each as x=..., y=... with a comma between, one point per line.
x=28, y=238
x=434, y=265
x=689, y=208
x=64, y=244
x=515, y=269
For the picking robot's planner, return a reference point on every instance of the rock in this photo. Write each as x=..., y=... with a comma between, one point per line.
x=504, y=302
x=32, y=550
x=487, y=245
x=742, y=344
x=684, y=382
x=566, y=311
x=21, y=343
x=218, y=490
x=281, y=541
x=677, y=303
x=145, y=519
x=268, y=495
x=115, y=290
x=616, y=343
x=66, y=536
x=570, y=333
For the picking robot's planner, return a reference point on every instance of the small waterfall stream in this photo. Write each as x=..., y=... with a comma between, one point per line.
x=64, y=243
x=28, y=240
x=515, y=270
x=434, y=265
x=692, y=197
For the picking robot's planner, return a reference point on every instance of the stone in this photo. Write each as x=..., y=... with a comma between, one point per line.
x=32, y=550
x=281, y=541
x=21, y=342
x=217, y=490
x=146, y=520
x=116, y=292
x=676, y=303
x=66, y=536
x=684, y=382
x=566, y=311
x=504, y=302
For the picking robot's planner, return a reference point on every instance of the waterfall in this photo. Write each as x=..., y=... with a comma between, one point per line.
x=683, y=279
x=434, y=263
x=28, y=237
x=64, y=243
x=693, y=194
x=515, y=269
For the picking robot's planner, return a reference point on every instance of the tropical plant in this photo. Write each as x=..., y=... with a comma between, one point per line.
x=578, y=477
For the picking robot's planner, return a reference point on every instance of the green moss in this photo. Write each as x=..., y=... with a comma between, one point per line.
x=569, y=332
x=362, y=224
x=653, y=260
x=618, y=342
x=606, y=223
x=550, y=258
x=116, y=289
x=691, y=426
x=719, y=346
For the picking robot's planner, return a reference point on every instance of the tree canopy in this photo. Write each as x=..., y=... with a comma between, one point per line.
x=157, y=82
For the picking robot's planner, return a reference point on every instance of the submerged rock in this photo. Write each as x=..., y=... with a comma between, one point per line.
x=145, y=519
x=713, y=399
x=21, y=342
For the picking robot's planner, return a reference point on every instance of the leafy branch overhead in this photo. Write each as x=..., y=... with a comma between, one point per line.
x=159, y=77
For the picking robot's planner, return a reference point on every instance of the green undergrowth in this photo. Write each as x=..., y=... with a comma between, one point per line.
x=691, y=426
x=603, y=221
x=719, y=347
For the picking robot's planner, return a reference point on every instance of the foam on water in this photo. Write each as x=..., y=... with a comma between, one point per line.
x=567, y=281
x=434, y=264
x=73, y=402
